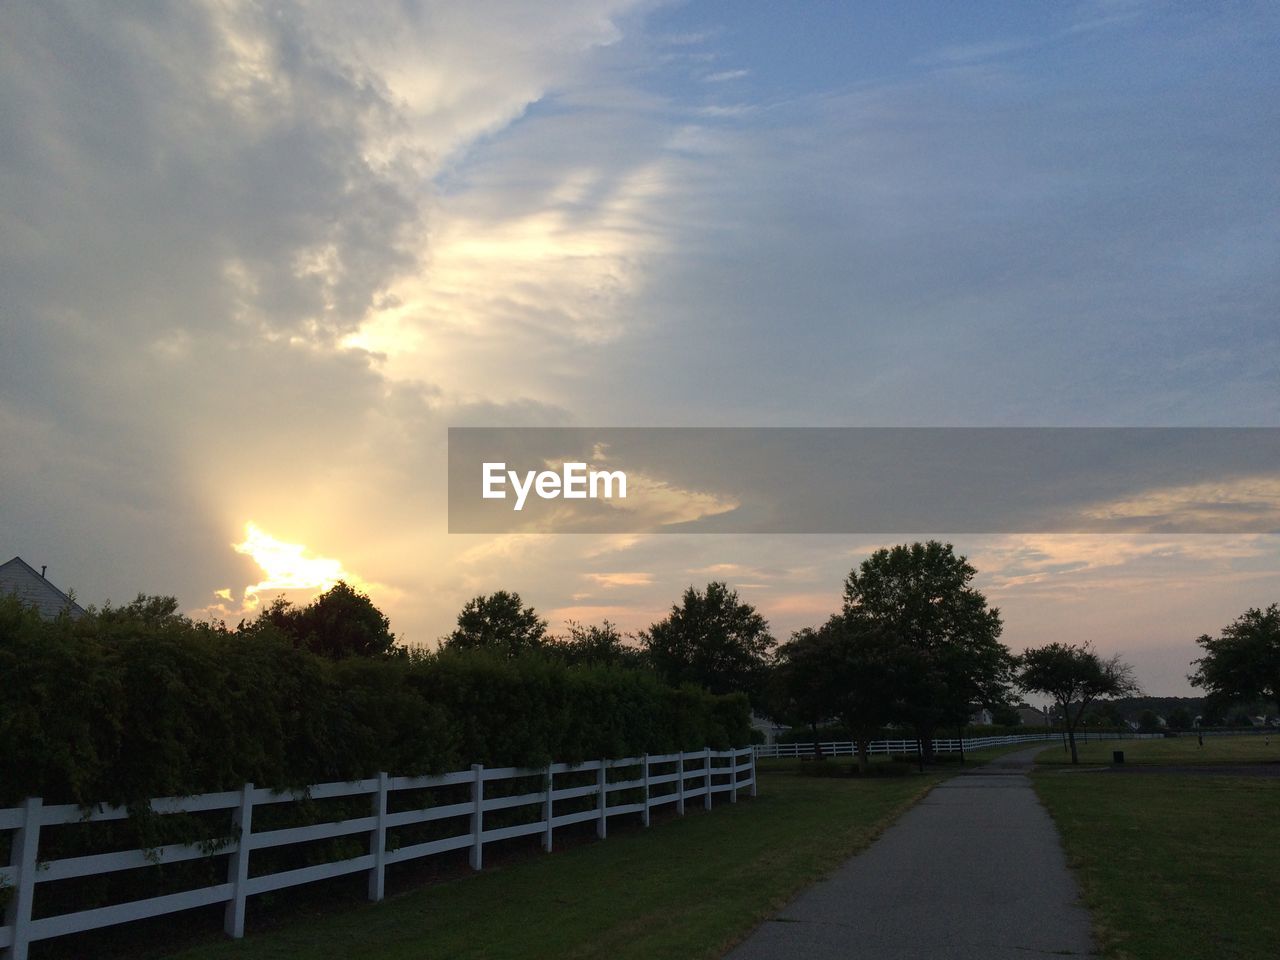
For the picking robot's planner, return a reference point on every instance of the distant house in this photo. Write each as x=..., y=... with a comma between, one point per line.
x=981, y=717
x=1031, y=717
x=19, y=578
x=768, y=729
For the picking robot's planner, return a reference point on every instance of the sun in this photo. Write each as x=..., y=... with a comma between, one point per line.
x=288, y=566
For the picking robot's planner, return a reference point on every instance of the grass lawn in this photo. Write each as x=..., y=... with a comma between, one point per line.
x=1181, y=750
x=685, y=888
x=1173, y=865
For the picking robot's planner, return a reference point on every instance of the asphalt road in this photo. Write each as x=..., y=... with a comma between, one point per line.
x=975, y=870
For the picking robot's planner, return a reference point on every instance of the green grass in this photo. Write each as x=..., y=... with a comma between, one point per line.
x=685, y=888
x=1182, y=750
x=1173, y=865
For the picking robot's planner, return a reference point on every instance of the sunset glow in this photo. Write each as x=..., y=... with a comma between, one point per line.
x=288, y=566
x=354, y=227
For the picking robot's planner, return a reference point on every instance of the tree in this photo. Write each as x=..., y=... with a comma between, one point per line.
x=498, y=622
x=919, y=597
x=1180, y=719
x=868, y=671
x=1243, y=663
x=1006, y=715
x=596, y=645
x=1148, y=722
x=714, y=640
x=1105, y=714
x=150, y=609
x=1074, y=676
x=845, y=669
x=799, y=689
x=341, y=622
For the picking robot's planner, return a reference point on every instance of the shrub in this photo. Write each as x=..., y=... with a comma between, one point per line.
x=120, y=707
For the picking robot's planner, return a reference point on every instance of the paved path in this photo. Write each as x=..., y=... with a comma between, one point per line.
x=975, y=870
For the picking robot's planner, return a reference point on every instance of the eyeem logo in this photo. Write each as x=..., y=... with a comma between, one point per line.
x=573, y=482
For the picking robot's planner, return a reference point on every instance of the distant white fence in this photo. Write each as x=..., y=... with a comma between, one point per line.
x=659, y=780
x=940, y=745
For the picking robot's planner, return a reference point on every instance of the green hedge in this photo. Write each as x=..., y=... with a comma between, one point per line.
x=119, y=709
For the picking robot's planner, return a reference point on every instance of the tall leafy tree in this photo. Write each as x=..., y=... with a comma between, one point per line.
x=1074, y=676
x=596, y=644
x=800, y=689
x=1244, y=662
x=847, y=670
x=498, y=622
x=341, y=622
x=713, y=639
x=920, y=597
x=869, y=672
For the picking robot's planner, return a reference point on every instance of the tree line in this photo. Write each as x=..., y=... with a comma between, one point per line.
x=914, y=645
x=139, y=700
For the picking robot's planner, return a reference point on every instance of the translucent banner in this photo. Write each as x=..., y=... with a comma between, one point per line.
x=864, y=480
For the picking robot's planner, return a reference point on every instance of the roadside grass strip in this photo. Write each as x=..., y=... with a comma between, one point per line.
x=1177, y=751
x=1173, y=865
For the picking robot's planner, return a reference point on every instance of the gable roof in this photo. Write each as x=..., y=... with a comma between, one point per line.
x=19, y=578
x=1030, y=715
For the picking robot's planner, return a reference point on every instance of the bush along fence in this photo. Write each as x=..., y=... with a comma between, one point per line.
x=383, y=821
x=940, y=744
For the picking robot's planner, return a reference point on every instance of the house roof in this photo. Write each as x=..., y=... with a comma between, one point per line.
x=1030, y=715
x=19, y=578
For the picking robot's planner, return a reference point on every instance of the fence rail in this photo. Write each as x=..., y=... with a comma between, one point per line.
x=940, y=745
x=655, y=781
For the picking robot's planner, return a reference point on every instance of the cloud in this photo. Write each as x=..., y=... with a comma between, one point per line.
x=962, y=54
x=204, y=206
x=1241, y=504
x=257, y=258
x=620, y=579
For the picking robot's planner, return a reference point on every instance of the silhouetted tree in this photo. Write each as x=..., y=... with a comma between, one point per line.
x=799, y=689
x=1180, y=719
x=153, y=610
x=714, y=640
x=1006, y=715
x=1243, y=663
x=593, y=644
x=1075, y=676
x=1105, y=714
x=498, y=622
x=920, y=598
x=871, y=674
x=341, y=622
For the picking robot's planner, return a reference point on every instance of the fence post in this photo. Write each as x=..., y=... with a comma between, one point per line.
x=548, y=810
x=753, y=773
x=477, y=816
x=238, y=865
x=378, y=840
x=602, y=800
x=23, y=857
x=733, y=775
x=706, y=797
x=680, y=783
x=644, y=817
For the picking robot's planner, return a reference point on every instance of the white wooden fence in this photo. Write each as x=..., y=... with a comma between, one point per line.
x=940, y=744
x=675, y=778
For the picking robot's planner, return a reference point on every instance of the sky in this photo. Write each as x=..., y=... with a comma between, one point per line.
x=256, y=259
